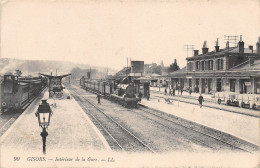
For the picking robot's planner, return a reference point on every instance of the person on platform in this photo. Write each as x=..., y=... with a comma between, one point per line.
x=140, y=95
x=98, y=98
x=173, y=91
x=148, y=95
x=170, y=92
x=190, y=91
x=200, y=99
x=165, y=91
x=181, y=91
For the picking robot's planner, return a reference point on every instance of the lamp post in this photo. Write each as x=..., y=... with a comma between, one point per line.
x=44, y=113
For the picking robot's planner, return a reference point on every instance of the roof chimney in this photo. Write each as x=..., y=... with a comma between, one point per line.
x=258, y=46
x=205, y=49
x=196, y=52
x=217, y=46
x=241, y=45
x=251, y=58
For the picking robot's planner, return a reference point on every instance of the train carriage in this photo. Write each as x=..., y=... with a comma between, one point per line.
x=17, y=91
x=124, y=94
x=82, y=82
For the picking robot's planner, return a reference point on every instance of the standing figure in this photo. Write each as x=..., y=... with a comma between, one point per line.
x=165, y=91
x=190, y=91
x=173, y=92
x=140, y=95
x=170, y=92
x=148, y=95
x=181, y=91
x=200, y=99
x=98, y=98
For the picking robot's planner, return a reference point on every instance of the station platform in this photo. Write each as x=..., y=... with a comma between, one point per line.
x=241, y=126
x=70, y=133
x=209, y=101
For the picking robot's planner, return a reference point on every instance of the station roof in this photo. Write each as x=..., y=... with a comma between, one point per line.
x=247, y=67
x=50, y=76
x=230, y=50
x=244, y=71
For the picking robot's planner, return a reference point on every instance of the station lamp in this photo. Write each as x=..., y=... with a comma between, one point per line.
x=44, y=113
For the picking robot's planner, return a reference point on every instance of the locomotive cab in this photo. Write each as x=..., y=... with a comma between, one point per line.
x=10, y=84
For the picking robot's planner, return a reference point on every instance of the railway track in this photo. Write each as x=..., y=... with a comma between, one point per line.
x=119, y=137
x=197, y=133
x=204, y=135
x=7, y=121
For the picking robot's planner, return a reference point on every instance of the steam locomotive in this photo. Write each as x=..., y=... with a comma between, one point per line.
x=123, y=94
x=18, y=92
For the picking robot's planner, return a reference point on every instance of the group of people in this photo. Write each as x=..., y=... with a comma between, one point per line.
x=172, y=91
x=140, y=95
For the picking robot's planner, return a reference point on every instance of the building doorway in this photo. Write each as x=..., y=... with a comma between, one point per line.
x=203, y=85
x=232, y=85
x=257, y=84
x=244, y=85
x=219, y=82
x=190, y=83
x=209, y=85
x=196, y=89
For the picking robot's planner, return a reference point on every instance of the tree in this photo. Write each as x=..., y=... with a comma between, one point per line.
x=18, y=72
x=157, y=70
x=174, y=66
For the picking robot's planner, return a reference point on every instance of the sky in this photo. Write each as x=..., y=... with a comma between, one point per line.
x=106, y=32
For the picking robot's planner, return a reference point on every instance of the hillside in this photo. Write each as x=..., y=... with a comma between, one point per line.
x=33, y=67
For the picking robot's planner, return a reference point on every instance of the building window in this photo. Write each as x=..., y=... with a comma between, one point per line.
x=210, y=64
x=203, y=67
x=197, y=65
x=220, y=64
x=190, y=67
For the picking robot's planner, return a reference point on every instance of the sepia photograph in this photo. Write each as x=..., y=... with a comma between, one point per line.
x=129, y=83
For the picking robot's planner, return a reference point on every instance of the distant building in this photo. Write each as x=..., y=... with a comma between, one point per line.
x=232, y=69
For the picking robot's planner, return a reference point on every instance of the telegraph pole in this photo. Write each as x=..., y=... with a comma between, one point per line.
x=188, y=48
x=231, y=39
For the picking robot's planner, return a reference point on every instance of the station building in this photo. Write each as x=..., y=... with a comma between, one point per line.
x=232, y=69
